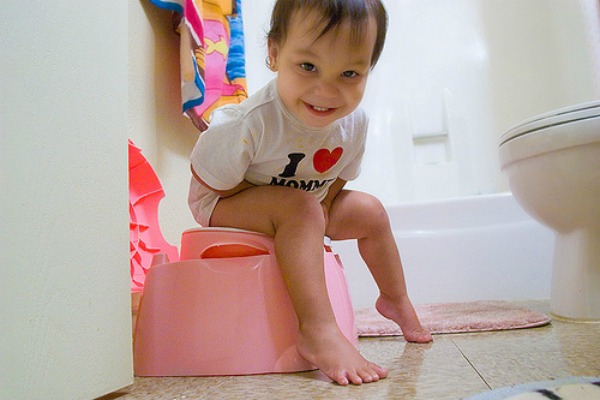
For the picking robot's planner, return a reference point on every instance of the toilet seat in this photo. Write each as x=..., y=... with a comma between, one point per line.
x=550, y=132
x=553, y=118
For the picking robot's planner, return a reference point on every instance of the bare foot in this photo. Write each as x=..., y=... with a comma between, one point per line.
x=403, y=313
x=330, y=351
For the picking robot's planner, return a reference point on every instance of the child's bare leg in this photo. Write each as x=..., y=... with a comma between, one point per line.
x=379, y=251
x=296, y=221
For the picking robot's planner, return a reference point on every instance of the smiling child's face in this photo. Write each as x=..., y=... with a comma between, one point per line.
x=321, y=79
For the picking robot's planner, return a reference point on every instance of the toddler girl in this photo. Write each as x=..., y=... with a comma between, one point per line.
x=277, y=164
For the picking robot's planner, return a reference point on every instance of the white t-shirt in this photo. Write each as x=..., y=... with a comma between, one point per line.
x=263, y=143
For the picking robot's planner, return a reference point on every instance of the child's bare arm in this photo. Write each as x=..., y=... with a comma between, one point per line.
x=224, y=193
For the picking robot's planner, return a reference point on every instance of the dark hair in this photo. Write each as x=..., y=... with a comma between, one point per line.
x=335, y=13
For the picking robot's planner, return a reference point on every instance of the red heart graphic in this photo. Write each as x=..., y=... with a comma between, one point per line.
x=324, y=159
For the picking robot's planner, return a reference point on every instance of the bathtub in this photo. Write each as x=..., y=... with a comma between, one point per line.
x=474, y=248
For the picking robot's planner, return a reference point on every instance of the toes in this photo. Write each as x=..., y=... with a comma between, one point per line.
x=373, y=373
x=422, y=336
x=341, y=380
x=419, y=335
x=355, y=378
x=380, y=372
x=368, y=378
x=340, y=377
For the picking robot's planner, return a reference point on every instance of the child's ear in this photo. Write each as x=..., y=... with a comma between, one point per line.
x=273, y=53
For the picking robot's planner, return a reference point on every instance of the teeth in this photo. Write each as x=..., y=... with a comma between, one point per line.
x=320, y=109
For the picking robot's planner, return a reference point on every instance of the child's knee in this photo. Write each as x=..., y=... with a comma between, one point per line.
x=375, y=211
x=304, y=204
x=298, y=204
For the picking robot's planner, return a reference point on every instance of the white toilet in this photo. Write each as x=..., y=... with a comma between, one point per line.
x=553, y=166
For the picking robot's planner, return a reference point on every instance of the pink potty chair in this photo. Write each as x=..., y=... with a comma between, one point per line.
x=224, y=309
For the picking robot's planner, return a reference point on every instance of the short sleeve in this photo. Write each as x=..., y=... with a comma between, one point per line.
x=223, y=152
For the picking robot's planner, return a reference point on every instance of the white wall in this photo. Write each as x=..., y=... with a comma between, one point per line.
x=65, y=319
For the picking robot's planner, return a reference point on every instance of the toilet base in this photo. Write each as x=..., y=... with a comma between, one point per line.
x=575, y=294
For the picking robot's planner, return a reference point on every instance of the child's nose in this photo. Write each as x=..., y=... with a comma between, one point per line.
x=326, y=88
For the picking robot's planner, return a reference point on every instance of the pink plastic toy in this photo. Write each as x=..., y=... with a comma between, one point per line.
x=145, y=237
x=225, y=310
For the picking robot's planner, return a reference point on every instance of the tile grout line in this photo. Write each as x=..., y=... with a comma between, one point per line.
x=471, y=364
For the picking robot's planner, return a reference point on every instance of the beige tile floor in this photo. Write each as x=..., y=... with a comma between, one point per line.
x=452, y=367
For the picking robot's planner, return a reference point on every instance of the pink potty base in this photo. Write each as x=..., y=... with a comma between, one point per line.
x=224, y=309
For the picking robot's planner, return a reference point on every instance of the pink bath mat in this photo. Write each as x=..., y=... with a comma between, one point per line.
x=477, y=316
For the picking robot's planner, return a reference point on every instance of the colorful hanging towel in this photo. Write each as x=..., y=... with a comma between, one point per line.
x=211, y=55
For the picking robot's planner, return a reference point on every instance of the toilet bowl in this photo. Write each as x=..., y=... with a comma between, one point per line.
x=552, y=162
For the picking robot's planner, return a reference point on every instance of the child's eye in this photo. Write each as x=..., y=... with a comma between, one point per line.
x=308, y=67
x=349, y=74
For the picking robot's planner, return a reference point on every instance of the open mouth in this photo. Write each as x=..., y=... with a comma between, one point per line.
x=318, y=110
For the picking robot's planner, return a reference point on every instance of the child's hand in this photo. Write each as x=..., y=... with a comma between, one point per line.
x=334, y=189
x=199, y=122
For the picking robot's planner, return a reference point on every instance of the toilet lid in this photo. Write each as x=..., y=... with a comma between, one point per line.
x=556, y=117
